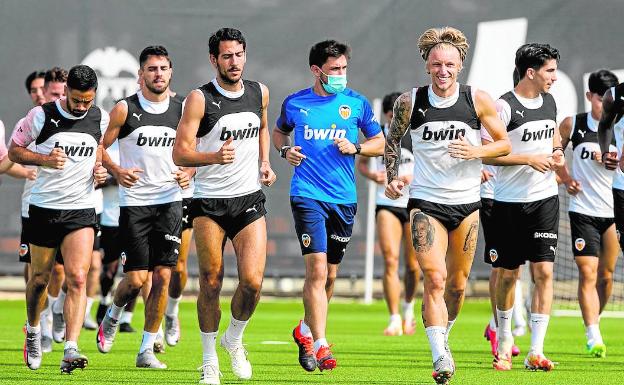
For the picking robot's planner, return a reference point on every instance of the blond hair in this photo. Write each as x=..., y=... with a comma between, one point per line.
x=447, y=36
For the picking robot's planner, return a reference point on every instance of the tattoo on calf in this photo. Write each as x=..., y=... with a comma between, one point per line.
x=423, y=232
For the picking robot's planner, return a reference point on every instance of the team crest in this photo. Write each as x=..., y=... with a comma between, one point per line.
x=344, y=111
x=579, y=244
x=123, y=258
x=306, y=239
x=493, y=255
x=23, y=250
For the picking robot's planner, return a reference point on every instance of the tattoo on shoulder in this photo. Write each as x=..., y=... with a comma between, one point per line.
x=402, y=112
x=423, y=231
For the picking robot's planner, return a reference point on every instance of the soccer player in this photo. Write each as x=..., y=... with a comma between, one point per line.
x=325, y=119
x=68, y=133
x=149, y=197
x=445, y=119
x=393, y=230
x=34, y=86
x=223, y=132
x=526, y=203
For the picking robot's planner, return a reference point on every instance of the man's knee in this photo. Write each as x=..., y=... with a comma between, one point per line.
x=435, y=281
x=210, y=282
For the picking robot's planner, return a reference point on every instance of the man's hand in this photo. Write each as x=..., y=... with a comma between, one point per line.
x=345, y=146
x=56, y=159
x=394, y=190
x=267, y=176
x=610, y=160
x=31, y=173
x=485, y=175
x=293, y=156
x=558, y=159
x=541, y=163
x=99, y=174
x=462, y=149
x=127, y=177
x=182, y=178
x=226, y=153
x=573, y=187
x=378, y=177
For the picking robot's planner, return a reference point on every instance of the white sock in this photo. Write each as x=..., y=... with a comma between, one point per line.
x=503, y=333
x=89, y=306
x=518, y=307
x=160, y=330
x=209, y=344
x=408, y=310
x=106, y=300
x=59, y=303
x=593, y=334
x=493, y=323
x=148, y=341
x=71, y=345
x=33, y=329
x=319, y=343
x=115, y=311
x=51, y=301
x=234, y=332
x=395, y=319
x=173, y=305
x=539, y=325
x=305, y=329
x=126, y=317
x=436, y=336
x=449, y=326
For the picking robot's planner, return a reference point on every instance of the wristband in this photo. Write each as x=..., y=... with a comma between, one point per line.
x=558, y=149
x=284, y=150
x=358, y=148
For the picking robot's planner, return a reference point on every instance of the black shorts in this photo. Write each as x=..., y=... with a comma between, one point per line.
x=231, y=214
x=618, y=212
x=524, y=232
x=48, y=227
x=24, y=248
x=98, y=234
x=451, y=216
x=485, y=216
x=587, y=233
x=399, y=212
x=109, y=242
x=150, y=235
x=187, y=219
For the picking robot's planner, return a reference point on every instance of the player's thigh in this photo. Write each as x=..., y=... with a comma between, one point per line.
x=430, y=240
x=389, y=231
x=209, y=241
x=250, y=248
x=77, y=250
x=462, y=246
x=610, y=250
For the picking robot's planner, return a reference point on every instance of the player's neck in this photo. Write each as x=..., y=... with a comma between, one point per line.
x=596, y=115
x=232, y=87
x=526, y=90
x=444, y=93
x=154, y=97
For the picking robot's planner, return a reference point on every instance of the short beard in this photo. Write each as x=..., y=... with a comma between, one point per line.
x=155, y=90
x=226, y=79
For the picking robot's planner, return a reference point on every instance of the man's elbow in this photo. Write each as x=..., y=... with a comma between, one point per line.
x=506, y=147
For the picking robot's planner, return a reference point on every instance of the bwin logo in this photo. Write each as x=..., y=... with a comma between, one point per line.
x=82, y=150
x=155, y=141
x=323, y=133
x=448, y=134
x=546, y=133
x=249, y=132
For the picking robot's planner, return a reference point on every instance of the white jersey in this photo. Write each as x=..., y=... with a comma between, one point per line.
x=235, y=115
x=49, y=126
x=435, y=122
x=146, y=141
x=531, y=126
x=110, y=212
x=595, y=198
x=487, y=187
x=187, y=193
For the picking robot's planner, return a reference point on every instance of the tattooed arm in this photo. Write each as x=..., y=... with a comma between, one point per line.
x=605, y=130
x=402, y=111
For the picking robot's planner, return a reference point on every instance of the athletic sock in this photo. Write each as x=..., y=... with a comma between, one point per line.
x=234, y=332
x=106, y=300
x=539, y=325
x=59, y=303
x=88, y=307
x=209, y=347
x=305, y=329
x=408, y=310
x=70, y=345
x=436, y=336
x=114, y=311
x=593, y=334
x=173, y=305
x=126, y=317
x=147, y=342
x=518, y=307
x=395, y=319
x=33, y=329
x=319, y=343
x=160, y=330
x=51, y=301
x=503, y=333
x=449, y=326
x=493, y=323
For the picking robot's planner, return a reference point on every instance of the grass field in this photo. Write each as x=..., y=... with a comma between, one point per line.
x=364, y=355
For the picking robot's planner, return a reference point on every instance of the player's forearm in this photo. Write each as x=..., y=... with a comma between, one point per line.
x=280, y=139
x=24, y=156
x=373, y=147
x=508, y=160
x=392, y=154
x=495, y=149
x=265, y=145
x=17, y=171
x=563, y=174
x=191, y=158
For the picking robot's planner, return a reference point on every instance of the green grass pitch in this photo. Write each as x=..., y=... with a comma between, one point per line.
x=364, y=355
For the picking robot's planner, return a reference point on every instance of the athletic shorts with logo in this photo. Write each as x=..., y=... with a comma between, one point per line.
x=323, y=227
x=618, y=211
x=109, y=243
x=24, y=248
x=450, y=216
x=399, y=212
x=485, y=215
x=587, y=233
x=48, y=227
x=231, y=214
x=187, y=219
x=150, y=235
x=524, y=232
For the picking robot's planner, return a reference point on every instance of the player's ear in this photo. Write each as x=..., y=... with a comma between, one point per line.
x=316, y=70
x=213, y=60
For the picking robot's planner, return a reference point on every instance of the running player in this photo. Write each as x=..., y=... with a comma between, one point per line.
x=67, y=134
x=325, y=119
x=393, y=230
x=445, y=119
x=149, y=198
x=526, y=203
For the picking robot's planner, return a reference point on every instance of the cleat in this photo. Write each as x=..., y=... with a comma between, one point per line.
x=443, y=369
x=172, y=330
x=58, y=327
x=515, y=351
x=147, y=359
x=394, y=329
x=490, y=335
x=325, y=359
x=72, y=359
x=306, y=349
x=502, y=362
x=538, y=362
x=409, y=327
x=105, y=335
x=125, y=327
x=241, y=367
x=32, y=350
x=597, y=350
x=519, y=331
x=89, y=323
x=101, y=312
x=210, y=374
x=159, y=344
x=46, y=344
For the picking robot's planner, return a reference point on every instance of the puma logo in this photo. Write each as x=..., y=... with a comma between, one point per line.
x=582, y=133
x=218, y=104
x=138, y=116
x=56, y=122
x=252, y=208
x=304, y=111
x=554, y=249
x=422, y=111
x=521, y=113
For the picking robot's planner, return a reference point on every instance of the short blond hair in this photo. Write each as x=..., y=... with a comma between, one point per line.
x=448, y=36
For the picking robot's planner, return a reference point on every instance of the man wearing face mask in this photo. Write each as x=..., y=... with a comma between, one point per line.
x=325, y=119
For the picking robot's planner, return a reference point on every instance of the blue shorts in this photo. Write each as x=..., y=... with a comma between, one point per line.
x=323, y=227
